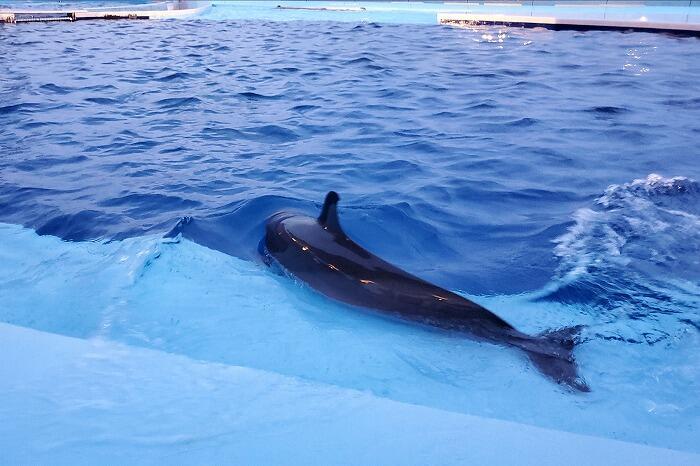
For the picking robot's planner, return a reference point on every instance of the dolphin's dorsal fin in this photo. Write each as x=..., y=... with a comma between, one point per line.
x=329, y=213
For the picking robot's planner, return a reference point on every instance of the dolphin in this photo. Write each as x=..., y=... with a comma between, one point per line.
x=319, y=253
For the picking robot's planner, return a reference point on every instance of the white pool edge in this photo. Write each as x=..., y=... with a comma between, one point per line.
x=534, y=21
x=67, y=401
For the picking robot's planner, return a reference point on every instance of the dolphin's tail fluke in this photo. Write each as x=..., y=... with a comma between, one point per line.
x=552, y=353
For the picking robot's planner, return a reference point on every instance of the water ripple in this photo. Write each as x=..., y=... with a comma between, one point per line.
x=492, y=137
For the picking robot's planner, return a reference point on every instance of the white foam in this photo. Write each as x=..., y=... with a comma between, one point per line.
x=651, y=222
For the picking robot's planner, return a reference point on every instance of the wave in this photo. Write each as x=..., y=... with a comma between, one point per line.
x=17, y=108
x=635, y=255
x=178, y=102
x=256, y=96
x=270, y=134
x=651, y=223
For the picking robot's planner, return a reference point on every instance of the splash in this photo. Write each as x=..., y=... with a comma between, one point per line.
x=648, y=223
x=635, y=254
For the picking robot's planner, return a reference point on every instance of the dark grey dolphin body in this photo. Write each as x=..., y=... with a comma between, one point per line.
x=319, y=253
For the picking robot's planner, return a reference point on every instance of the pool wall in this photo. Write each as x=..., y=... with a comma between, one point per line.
x=685, y=12
x=428, y=12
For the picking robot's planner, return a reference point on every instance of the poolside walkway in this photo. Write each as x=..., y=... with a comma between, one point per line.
x=681, y=17
x=162, y=10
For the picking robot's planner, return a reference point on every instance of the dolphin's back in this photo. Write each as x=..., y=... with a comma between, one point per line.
x=338, y=267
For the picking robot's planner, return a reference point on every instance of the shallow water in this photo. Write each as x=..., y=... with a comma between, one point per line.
x=515, y=166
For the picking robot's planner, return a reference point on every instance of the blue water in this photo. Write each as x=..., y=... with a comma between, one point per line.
x=547, y=175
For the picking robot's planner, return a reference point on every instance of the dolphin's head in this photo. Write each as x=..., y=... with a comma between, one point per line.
x=277, y=237
x=297, y=241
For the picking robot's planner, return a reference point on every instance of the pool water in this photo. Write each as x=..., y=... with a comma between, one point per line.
x=549, y=176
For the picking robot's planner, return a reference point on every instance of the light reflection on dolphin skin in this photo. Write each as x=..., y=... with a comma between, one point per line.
x=318, y=252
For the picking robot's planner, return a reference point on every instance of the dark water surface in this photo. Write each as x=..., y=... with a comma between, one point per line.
x=460, y=155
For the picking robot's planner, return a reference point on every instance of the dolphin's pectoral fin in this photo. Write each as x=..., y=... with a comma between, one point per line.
x=329, y=213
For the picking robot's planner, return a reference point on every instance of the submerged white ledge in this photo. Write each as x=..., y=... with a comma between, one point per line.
x=71, y=401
